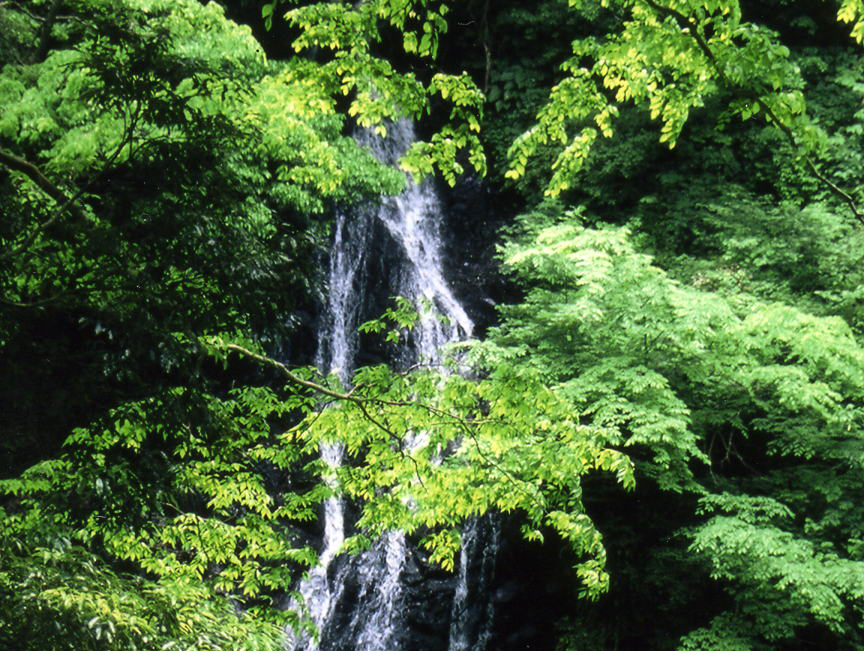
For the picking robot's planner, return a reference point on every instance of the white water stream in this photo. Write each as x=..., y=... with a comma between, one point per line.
x=413, y=221
x=470, y=621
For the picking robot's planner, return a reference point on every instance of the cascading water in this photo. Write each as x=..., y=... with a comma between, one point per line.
x=335, y=354
x=414, y=220
x=358, y=603
x=472, y=612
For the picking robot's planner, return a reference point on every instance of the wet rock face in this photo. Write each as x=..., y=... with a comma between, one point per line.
x=425, y=596
x=474, y=217
x=437, y=610
x=428, y=591
x=512, y=595
x=508, y=596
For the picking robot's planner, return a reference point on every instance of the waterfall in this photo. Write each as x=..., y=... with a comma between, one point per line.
x=472, y=611
x=414, y=220
x=336, y=351
x=358, y=603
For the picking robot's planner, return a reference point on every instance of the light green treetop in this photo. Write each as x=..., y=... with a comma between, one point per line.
x=670, y=57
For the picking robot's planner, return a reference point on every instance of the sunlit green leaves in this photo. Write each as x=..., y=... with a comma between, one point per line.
x=350, y=32
x=339, y=25
x=852, y=12
x=668, y=58
x=427, y=452
x=184, y=501
x=676, y=376
x=194, y=162
x=771, y=562
x=59, y=594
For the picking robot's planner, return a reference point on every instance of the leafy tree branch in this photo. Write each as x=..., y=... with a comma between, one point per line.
x=32, y=172
x=689, y=25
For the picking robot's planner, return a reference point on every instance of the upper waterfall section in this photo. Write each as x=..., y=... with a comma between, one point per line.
x=413, y=220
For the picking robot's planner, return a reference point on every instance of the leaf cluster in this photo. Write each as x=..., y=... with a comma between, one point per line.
x=677, y=376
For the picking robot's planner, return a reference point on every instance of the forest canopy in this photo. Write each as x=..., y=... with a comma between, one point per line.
x=670, y=387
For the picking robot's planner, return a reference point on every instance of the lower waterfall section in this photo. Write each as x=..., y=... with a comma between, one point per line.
x=390, y=598
x=473, y=609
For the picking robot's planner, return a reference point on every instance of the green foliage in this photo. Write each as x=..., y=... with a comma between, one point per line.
x=426, y=452
x=394, y=320
x=724, y=239
x=164, y=188
x=59, y=596
x=674, y=373
x=163, y=185
x=670, y=60
x=160, y=178
x=852, y=12
x=174, y=489
x=527, y=45
x=582, y=325
x=352, y=35
x=774, y=567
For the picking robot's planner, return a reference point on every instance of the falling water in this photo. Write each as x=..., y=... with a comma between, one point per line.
x=347, y=287
x=335, y=355
x=369, y=614
x=413, y=218
x=472, y=613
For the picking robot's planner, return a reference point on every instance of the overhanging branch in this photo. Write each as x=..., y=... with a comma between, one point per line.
x=467, y=426
x=689, y=26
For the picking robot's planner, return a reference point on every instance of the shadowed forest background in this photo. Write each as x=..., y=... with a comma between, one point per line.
x=652, y=214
